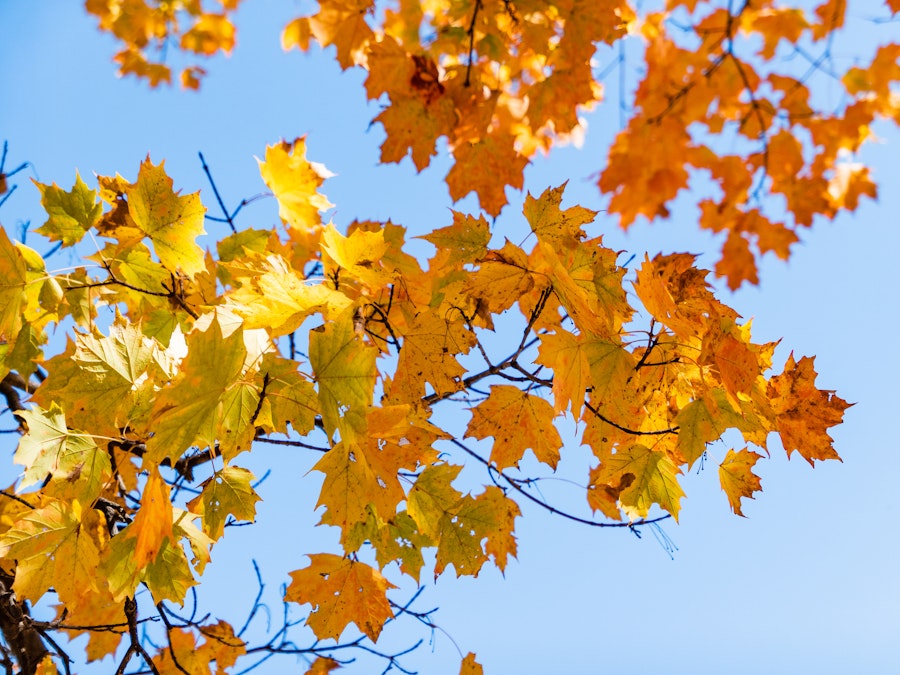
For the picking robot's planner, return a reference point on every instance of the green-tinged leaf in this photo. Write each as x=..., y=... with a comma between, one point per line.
x=76, y=466
x=465, y=241
x=397, y=540
x=654, y=479
x=171, y=222
x=13, y=279
x=696, y=427
x=227, y=493
x=290, y=397
x=70, y=214
x=432, y=496
x=208, y=402
x=168, y=577
x=344, y=369
x=243, y=242
x=561, y=228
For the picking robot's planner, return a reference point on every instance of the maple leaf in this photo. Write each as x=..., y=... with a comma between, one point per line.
x=222, y=646
x=107, y=382
x=697, y=426
x=210, y=401
x=55, y=546
x=460, y=524
x=486, y=167
x=464, y=241
x=397, y=539
x=501, y=279
x=737, y=477
x=278, y=298
x=71, y=214
x=209, y=34
x=358, y=255
x=322, y=666
x=289, y=397
x=96, y=608
x=344, y=369
x=295, y=183
x=185, y=655
x=803, y=413
x=342, y=23
x=72, y=460
x=470, y=666
x=46, y=667
x=352, y=484
x=564, y=353
x=168, y=575
x=517, y=421
x=13, y=280
x=562, y=229
x=413, y=126
x=431, y=343
x=361, y=472
x=152, y=524
x=171, y=222
x=341, y=591
x=228, y=492
x=653, y=479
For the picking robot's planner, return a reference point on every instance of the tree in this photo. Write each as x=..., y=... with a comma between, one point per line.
x=342, y=343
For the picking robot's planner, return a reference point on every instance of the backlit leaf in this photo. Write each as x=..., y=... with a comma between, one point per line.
x=341, y=591
x=171, y=222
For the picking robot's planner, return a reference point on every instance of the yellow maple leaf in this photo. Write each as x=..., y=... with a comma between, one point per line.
x=228, y=492
x=563, y=353
x=342, y=23
x=354, y=481
x=275, y=296
x=209, y=402
x=737, y=477
x=653, y=479
x=344, y=367
x=13, y=279
x=70, y=214
x=171, y=222
x=295, y=182
x=697, y=426
x=359, y=255
x=431, y=343
x=58, y=546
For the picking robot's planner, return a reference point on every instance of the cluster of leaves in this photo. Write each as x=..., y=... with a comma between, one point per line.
x=199, y=365
x=345, y=344
x=721, y=98
x=148, y=27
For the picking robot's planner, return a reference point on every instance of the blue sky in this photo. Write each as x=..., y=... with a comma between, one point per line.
x=806, y=583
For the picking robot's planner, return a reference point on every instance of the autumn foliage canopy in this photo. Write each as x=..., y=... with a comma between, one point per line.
x=180, y=359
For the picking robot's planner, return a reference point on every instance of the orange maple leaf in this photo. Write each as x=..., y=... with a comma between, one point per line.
x=341, y=591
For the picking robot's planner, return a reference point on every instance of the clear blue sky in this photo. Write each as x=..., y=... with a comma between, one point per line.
x=807, y=583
